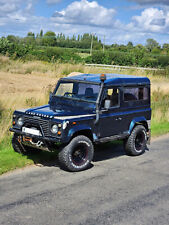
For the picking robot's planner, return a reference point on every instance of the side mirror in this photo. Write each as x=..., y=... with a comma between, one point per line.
x=107, y=104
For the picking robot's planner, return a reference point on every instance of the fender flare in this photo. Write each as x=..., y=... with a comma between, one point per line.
x=78, y=128
x=137, y=120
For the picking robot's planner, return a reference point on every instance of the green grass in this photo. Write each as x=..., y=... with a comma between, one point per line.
x=10, y=160
x=159, y=128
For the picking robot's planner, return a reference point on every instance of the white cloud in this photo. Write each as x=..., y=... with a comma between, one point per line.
x=8, y=7
x=151, y=20
x=86, y=13
x=16, y=16
x=14, y=7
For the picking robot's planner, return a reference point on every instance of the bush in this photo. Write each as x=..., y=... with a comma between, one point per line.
x=163, y=61
x=100, y=58
x=149, y=62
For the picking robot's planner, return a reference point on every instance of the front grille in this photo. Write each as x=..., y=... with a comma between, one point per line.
x=38, y=122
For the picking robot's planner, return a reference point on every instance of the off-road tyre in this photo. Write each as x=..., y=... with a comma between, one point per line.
x=20, y=148
x=77, y=155
x=136, y=143
x=17, y=146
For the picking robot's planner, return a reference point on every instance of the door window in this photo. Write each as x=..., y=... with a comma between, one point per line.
x=113, y=94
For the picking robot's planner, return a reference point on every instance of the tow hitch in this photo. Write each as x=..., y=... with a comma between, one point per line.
x=29, y=141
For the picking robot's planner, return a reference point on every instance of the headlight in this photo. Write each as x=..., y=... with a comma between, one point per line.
x=54, y=129
x=20, y=121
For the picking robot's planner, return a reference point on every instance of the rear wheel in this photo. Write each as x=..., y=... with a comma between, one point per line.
x=77, y=155
x=136, y=143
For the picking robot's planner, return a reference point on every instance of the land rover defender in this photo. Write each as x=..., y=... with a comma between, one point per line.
x=85, y=110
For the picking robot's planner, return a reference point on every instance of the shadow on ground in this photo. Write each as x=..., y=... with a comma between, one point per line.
x=102, y=152
x=108, y=151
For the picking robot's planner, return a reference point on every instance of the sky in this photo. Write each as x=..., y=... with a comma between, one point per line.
x=115, y=21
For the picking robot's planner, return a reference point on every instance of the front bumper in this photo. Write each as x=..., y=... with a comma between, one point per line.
x=48, y=139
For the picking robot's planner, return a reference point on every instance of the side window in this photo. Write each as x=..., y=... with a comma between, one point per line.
x=113, y=94
x=135, y=94
x=143, y=93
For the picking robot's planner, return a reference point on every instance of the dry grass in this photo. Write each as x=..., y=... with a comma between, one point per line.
x=23, y=85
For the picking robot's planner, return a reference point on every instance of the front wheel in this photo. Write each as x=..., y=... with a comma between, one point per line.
x=77, y=155
x=17, y=145
x=136, y=142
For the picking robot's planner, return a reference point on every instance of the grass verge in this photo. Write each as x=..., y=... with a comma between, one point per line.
x=158, y=129
x=10, y=160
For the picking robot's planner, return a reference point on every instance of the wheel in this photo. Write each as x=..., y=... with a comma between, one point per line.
x=77, y=155
x=17, y=146
x=136, y=142
x=20, y=148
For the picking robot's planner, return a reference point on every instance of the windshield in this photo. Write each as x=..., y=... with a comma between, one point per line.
x=78, y=91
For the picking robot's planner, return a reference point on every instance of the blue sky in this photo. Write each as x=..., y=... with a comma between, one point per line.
x=120, y=21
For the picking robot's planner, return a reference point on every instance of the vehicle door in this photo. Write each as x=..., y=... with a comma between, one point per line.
x=111, y=121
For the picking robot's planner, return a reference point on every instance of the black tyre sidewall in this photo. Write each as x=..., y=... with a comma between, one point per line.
x=65, y=155
x=16, y=145
x=130, y=146
x=22, y=149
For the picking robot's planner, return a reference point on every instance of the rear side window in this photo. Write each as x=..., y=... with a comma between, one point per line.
x=135, y=94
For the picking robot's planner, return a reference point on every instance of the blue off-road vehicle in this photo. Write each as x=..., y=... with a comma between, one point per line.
x=85, y=110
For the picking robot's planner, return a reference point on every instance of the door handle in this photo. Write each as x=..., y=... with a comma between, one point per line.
x=119, y=118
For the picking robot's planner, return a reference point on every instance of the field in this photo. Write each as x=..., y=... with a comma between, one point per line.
x=27, y=84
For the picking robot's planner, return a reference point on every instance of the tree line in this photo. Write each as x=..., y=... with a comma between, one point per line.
x=51, y=47
x=59, y=40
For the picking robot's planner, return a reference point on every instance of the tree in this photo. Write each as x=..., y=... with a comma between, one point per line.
x=41, y=33
x=12, y=38
x=49, y=38
x=130, y=44
x=30, y=38
x=140, y=46
x=151, y=43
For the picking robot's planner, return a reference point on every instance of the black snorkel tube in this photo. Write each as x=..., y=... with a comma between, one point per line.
x=102, y=79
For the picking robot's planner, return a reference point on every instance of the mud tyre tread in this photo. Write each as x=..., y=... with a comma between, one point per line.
x=130, y=143
x=17, y=146
x=65, y=155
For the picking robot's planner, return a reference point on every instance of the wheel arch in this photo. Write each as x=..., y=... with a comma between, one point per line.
x=138, y=121
x=80, y=130
x=86, y=133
